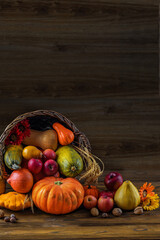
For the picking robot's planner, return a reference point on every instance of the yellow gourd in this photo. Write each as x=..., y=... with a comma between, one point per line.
x=31, y=152
x=14, y=201
x=43, y=139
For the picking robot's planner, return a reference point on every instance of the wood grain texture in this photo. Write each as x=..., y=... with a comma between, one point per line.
x=96, y=62
x=81, y=225
x=124, y=133
x=69, y=49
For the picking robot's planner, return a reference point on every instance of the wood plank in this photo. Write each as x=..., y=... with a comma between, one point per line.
x=80, y=224
x=124, y=133
x=96, y=62
x=78, y=49
x=133, y=232
x=78, y=8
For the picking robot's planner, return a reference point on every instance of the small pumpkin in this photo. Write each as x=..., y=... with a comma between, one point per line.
x=14, y=201
x=65, y=136
x=58, y=195
x=42, y=139
x=91, y=190
x=21, y=180
x=69, y=161
x=13, y=157
x=31, y=152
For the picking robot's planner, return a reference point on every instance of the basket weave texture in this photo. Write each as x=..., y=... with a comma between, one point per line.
x=80, y=139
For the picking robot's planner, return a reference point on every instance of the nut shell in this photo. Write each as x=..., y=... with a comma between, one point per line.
x=94, y=212
x=105, y=215
x=1, y=213
x=138, y=210
x=117, y=212
x=7, y=219
x=13, y=216
x=13, y=220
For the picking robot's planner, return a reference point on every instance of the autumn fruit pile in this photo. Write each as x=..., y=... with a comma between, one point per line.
x=104, y=200
x=120, y=196
x=42, y=166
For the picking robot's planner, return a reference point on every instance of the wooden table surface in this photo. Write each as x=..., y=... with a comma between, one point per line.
x=96, y=62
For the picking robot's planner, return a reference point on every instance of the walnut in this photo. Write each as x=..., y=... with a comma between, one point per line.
x=138, y=210
x=94, y=212
x=117, y=212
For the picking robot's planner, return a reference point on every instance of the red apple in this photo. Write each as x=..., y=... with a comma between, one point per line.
x=57, y=174
x=105, y=204
x=35, y=165
x=90, y=201
x=50, y=167
x=49, y=154
x=107, y=194
x=113, y=181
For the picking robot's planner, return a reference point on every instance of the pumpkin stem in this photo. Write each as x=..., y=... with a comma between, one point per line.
x=73, y=168
x=58, y=183
x=15, y=166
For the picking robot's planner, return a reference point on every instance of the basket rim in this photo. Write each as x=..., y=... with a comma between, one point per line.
x=40, y=112
x=80, y=136
x=80, y=140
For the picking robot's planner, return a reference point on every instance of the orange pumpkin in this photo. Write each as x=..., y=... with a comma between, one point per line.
x=21, y=180
x=91, y=190
x=58, y=195
x=65, y=136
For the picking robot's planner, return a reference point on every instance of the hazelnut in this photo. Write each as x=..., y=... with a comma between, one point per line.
x=13, y=220
x=138, y=210
x=105, y=215
x=7, y=219
x=13, y=216
x=94, y=212
x=117, y=212
x=1, y=213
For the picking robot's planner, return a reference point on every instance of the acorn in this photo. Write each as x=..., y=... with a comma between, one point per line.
x=13, y=216
x=105, y=215
x=7, y=219
x=13, y=220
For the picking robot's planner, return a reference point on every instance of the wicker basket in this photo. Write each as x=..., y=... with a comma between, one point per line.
x=80, y=140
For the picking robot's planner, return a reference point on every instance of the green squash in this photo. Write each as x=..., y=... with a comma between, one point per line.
x=69, y=161
x=13, y=157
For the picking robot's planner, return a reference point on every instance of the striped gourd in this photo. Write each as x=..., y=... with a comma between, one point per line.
x=13, y=157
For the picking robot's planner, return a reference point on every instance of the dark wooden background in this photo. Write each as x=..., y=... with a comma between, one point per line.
x=96, y=62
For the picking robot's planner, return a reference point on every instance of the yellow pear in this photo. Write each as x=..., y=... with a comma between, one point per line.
x=127, y=196
x=31, y=152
